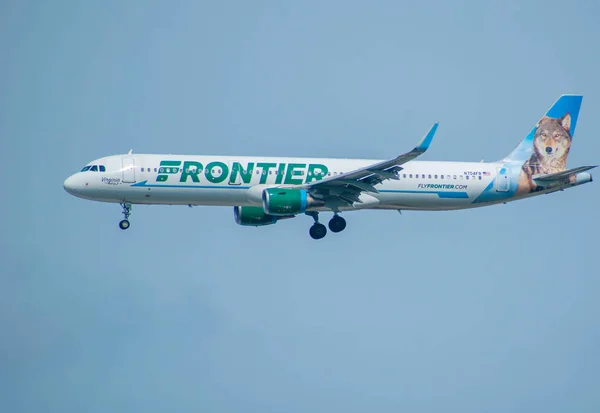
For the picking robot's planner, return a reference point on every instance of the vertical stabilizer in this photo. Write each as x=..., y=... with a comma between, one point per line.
x=545, y=149
x=548, y=143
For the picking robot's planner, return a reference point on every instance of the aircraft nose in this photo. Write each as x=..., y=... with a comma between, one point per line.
x=70, y=185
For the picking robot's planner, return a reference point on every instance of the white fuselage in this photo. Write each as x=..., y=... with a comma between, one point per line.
x=239, y=181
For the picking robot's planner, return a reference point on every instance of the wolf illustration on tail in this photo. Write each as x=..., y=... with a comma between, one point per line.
x=551, y=145
x=546, y=148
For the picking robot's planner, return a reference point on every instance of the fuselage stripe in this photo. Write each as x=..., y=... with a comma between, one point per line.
x=441, y=194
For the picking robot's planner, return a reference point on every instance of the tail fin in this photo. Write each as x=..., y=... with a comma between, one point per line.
x=547, y=145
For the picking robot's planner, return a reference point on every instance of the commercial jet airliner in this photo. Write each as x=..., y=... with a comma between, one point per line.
x=263, y=190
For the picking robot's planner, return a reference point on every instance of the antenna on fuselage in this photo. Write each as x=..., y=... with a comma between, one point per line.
x=130, y=152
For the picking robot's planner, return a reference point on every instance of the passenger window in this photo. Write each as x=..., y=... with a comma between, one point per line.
x=480, y=177
x=86, y=168
x=102, y=168
x=94, y=168
x=460, y=177
x=467, y=177
x=410, y=175
x=154, y=169
x=429, y=176
x=435, y=176
x=441, y=176
x=454, y=176
x=404, y=176
x=142, y=169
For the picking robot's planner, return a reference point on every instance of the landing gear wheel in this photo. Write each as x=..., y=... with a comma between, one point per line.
x=317, y=231
x=337, y=223
x=126, y=213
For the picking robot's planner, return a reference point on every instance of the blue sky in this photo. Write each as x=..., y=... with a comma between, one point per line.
x=492, y=309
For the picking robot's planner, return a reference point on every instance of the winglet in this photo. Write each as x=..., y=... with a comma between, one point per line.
x=426, y=141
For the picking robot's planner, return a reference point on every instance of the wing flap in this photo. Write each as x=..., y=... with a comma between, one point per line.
x=359, y=185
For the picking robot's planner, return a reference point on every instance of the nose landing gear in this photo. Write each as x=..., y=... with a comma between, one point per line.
x=124, y=224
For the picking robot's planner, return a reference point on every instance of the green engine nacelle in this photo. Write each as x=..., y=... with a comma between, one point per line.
x=282, y=201
x=252, y=216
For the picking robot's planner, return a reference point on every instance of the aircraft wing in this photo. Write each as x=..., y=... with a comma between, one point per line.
x=348, y=186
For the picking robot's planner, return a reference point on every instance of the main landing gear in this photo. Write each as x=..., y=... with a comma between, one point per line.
x=124, y=224
x=337, y=223
x=318, y=230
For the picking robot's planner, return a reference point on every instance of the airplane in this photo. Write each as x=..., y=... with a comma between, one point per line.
x=264, y=190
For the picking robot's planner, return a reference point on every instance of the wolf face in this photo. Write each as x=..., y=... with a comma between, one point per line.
x=551, y=142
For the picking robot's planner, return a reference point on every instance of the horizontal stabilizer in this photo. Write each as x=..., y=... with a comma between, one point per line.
x=562, y=174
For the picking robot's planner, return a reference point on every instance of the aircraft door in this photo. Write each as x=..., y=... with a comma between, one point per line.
x=128, y=165
x=502, y=180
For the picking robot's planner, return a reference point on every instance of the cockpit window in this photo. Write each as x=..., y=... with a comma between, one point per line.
x=94, y=168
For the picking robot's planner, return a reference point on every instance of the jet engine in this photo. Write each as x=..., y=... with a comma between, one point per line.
x=253, y=216
x=283, y=201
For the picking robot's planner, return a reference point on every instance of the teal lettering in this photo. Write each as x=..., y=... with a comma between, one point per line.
x=191, y=169
x=244, y=173
x=280, y=170
x=316, y=172
x=221, y=172
x=167, y=168
x=292, y=173
x=265, y=170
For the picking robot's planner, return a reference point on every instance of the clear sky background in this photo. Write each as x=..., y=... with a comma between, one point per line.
x=486, y=310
